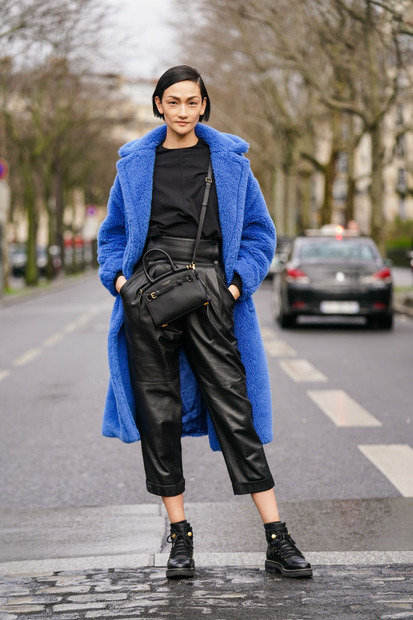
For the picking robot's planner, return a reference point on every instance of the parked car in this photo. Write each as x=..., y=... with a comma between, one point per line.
x=333, y=272
x=281, y=254
x=18, y=259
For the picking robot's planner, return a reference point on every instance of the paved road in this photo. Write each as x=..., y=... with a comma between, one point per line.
x=341, y=457
x=54, y=375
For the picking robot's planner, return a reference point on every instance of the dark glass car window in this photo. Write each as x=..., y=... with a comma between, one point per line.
x=333, y=249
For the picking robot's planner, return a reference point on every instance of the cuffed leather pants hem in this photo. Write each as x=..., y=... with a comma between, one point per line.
x=169, y=490
x=243, y=488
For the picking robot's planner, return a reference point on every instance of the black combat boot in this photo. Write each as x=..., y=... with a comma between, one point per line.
x=282, y=553
x=180, y=562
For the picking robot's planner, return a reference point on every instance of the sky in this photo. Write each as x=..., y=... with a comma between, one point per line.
x=141, y=37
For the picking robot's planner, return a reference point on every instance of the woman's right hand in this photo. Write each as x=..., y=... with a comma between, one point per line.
x=120, y=282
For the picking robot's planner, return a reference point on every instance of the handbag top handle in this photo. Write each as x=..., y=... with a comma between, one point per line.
x=208, y=183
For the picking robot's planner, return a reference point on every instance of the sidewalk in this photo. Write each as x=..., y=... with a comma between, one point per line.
x=335, y=593
x=108, y=562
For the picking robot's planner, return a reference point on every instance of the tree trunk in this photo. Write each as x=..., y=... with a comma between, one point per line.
x=378, y=232
x=289, y=198
x=351, y=185
x=29, y=198
x=377, y=149
x=50, y=205
x=304, y=189
x=59, y=206
x=329, y=176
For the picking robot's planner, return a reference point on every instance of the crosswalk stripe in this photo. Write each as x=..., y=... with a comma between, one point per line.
x=302, y=370
x=342, y=409
x=279, y=348
x=395, y=461
x=4, y=374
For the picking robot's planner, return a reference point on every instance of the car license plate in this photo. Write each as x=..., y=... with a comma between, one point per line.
x=340, y=307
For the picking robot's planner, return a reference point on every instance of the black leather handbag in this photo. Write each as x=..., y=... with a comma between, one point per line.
x=180, y=289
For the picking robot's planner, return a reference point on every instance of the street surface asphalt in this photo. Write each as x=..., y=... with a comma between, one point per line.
x=76, y=520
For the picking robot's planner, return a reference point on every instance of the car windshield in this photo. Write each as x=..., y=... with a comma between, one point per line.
x=332, y=249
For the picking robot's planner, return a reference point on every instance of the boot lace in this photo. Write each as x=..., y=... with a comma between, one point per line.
x=285, y=545
x=180, y=542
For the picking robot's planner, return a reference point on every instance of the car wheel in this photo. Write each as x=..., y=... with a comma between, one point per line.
x=382, y=322
x=283, y=318
x=280, y=316
x=386, y=321
x=287, y=320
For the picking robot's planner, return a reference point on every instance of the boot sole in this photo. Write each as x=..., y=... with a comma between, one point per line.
x=181, y=572
x=274, y=567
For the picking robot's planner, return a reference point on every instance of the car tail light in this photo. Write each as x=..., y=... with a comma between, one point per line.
x=384, y=275
x=380, y=277
x=379, y=305
x=296, y=276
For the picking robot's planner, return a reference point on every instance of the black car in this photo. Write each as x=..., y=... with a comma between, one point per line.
x=339, y=274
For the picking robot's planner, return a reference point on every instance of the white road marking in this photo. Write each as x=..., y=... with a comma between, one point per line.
x=342, y=409
x=395, y=461
x=53, y=339
x=269, y=333
x=27, y=357
x=279, y=348
x=302, y=370
x=70, y=327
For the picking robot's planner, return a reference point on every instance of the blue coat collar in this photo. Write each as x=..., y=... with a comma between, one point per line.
x=217, y=141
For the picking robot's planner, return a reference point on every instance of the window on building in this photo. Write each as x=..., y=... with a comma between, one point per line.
x=399, y=115
x=342, y=161
x=401, y=181
x=399, y=149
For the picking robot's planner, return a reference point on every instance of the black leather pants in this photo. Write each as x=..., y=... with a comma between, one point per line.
x=206, y=335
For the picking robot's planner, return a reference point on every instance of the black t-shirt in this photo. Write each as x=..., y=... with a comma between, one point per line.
x=178, y=191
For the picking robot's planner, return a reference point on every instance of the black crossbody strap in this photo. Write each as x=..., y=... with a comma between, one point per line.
x=208, y=183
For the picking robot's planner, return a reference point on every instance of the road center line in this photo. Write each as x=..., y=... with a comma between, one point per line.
x=27, y=357
x=395, y=461
x=342, y=409
x=302, y=370
x=53, y=339
x=70, y=327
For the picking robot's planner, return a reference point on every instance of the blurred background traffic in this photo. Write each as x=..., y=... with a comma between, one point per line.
x=321, y=89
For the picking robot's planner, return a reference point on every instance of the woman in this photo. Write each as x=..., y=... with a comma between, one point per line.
x=205, y=372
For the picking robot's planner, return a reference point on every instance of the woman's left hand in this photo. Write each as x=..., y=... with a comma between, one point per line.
x=234, y=290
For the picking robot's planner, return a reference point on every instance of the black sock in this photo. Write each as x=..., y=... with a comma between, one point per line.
x=270, y=526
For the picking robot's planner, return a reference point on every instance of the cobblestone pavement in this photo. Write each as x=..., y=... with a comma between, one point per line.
x=336, y=593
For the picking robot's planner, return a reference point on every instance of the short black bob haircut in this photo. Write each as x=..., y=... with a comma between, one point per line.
x=181, y=73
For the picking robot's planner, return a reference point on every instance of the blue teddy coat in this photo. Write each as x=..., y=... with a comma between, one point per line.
x=248, y=244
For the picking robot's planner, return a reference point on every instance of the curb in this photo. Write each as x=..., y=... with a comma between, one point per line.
x=60, y=284
x=401, y=308
x=203, y=560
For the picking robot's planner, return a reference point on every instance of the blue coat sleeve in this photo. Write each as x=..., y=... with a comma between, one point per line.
x=258, y=240
x=112, y=239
